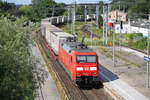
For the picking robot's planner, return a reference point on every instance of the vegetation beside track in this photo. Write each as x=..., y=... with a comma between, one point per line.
x=65, y=86
x=17, y=65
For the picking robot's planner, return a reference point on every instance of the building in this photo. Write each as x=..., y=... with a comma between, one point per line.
x=133, y=27
x=116, y=15
x=125, y=29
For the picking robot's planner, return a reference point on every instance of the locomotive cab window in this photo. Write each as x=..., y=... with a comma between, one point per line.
x=81, y=59
x=86, y=59
x=91, y=59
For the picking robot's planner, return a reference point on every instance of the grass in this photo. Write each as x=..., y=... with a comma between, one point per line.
x=119, y=55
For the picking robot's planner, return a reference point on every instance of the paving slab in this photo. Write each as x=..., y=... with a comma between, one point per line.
x=120, y=87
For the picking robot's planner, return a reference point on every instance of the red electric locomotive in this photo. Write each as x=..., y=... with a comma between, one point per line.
x=80, y=62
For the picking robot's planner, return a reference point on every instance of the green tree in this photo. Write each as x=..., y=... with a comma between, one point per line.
x=26, y=10
x=60, y=9
x=42, y=8
x=16, y=64
x=100, y=20
x=123, y=5
x=7, y=9
x=140, y=9
x=135, y=8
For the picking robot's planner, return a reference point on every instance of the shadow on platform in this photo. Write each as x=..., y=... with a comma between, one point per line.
x=106, y=75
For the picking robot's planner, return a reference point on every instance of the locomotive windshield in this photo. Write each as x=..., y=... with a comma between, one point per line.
x=86, y=59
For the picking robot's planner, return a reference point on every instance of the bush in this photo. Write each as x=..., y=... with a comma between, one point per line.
x=136, y=40
x=16, y=63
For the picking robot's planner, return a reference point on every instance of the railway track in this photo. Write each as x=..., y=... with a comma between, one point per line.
x=72, y=91
x=85, y=29
x=137, y=49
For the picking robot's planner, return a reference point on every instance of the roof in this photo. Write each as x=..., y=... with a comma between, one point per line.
x=141, y=24
x=54, y=28
x=51, y=28
x=119, y=22
x=69, y=46
x=62, y=34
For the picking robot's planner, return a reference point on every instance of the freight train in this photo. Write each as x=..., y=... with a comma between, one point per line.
x=65, y=19
x=79, y=61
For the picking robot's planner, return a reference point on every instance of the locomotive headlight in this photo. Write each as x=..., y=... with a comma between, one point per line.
x=79, y=68
x=94, y=73
x=93, y=68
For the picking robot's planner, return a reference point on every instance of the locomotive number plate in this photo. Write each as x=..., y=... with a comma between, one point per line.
x=86, y=68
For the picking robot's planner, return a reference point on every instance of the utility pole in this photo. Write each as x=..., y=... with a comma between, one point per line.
x=85, y=13
x=97, y=15
x=91, y=27
x=106, y=40
x=68, y=19
x=119, y=5
x=91, y=35
x=53, y=10
x=103, y=26
x=113, y=49
x=73, y=17
x=148, y=44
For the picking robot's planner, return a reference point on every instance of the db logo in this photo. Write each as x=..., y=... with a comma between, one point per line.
x=86, y=68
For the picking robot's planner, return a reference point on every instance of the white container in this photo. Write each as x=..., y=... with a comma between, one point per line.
x=57, y=38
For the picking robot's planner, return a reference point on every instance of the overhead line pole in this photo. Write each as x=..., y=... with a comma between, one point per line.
x=97, y=16
x=103, y=26
x=106, y=25
x=53, y=9
x=113, y=49
x=73, y=18
x=91, y=33
x=147, y=69
x=68, y=20
x=85, y=13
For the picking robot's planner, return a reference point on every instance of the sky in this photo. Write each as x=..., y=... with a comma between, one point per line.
x=64, y=1
x=19, y=1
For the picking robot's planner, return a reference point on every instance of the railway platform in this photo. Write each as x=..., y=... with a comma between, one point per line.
x=48, y=90
x=114, y=84
x=125, y=81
